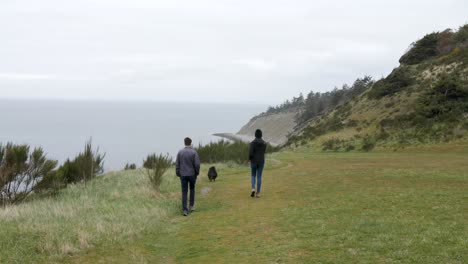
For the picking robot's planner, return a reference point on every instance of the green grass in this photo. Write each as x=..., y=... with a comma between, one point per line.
x=381, y=207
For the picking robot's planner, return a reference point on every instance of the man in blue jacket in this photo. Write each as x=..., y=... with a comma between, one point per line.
x=188, y=168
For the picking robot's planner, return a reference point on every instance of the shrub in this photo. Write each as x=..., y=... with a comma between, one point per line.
x=156, y=166
x=461, y=36
x=349, y=147
x=382, y=135
x=367, y=144
x=132, y=166
x=52, y=183
x=396, y=81
x=84, y=167
x=21, y=171
x=223, y=151
x=333, y=144
x=352, y=123
x=421, y=50
x=447, y=101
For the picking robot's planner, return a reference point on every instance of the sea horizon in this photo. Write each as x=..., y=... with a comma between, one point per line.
x=126, y=131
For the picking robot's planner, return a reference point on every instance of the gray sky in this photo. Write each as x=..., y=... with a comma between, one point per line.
x=206, y=50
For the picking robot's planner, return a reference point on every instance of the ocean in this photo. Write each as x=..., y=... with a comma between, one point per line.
x=125, y=131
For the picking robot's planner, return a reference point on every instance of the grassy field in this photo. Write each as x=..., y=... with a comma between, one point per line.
x=381, y=207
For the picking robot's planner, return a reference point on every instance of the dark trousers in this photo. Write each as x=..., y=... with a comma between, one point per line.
x=185, y=182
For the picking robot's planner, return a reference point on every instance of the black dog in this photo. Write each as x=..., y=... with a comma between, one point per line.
x=212, y=174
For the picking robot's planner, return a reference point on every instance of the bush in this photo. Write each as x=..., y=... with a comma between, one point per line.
x=352, y=123
x=447, y=101
x=132, y=166
x=156, y=166
x=396, y=81
x=52, y=183
x=367, y=144
x=423, y=49
x=84, y=167
x=461, y=36
x=349, y=147
x=333, y=144
x=224, y=151
x=21, y=171
x=382, y=135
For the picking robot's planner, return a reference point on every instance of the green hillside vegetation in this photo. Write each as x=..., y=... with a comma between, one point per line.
x=405, y=207
x=423, y=101
x=227, y=151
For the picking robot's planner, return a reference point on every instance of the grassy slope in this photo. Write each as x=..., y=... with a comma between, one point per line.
x=316, y=207
x=368, y=112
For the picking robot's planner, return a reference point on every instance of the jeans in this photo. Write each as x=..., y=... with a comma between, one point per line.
x=185, y=182
x=257, y=170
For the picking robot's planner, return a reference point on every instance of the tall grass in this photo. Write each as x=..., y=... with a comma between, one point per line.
x=223, y=151
x=112, y=211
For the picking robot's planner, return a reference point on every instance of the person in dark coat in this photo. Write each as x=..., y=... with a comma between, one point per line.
x=188, y=168
x=257, y=162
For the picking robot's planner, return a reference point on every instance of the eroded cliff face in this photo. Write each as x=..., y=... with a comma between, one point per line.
x=276, y=127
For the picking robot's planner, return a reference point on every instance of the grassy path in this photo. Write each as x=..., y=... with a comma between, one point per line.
x=333, y=208
x=317, y=208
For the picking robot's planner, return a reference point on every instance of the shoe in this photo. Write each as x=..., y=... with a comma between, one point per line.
x=253, y=193
x=191, y=208
x=258, y=195
x=185, y=212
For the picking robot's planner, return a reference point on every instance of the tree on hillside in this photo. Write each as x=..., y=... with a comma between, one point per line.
x=422, y=49
x=318, y=103
x=84, y=167
x=21, y=171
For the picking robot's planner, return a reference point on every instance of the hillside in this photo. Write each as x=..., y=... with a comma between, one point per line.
x=422, y=101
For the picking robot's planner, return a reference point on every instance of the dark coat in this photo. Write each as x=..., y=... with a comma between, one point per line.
x=187, y=162
x=257, y=151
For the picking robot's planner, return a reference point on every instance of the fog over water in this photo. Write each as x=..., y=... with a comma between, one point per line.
x=126, y=132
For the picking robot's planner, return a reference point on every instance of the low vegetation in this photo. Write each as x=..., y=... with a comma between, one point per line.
x=224, y=151
x=21, y=171
x=403, y=207
x=156, y=166
x=130, y=166
x=83, y=168
x=424, y=100
x=436, y=44
x=398, y=80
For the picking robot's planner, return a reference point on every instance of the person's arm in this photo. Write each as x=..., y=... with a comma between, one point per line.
x=196, y=164
x=177, y=165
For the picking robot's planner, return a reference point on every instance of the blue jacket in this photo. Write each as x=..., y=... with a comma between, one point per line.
x=187, y=162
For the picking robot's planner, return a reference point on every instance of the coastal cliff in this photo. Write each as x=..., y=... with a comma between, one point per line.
x=275, y=126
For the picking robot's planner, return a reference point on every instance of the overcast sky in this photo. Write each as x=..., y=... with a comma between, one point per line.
x=206, y=50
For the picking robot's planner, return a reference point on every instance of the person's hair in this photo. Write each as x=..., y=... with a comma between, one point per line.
x=258, y=133
x=187, y=141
